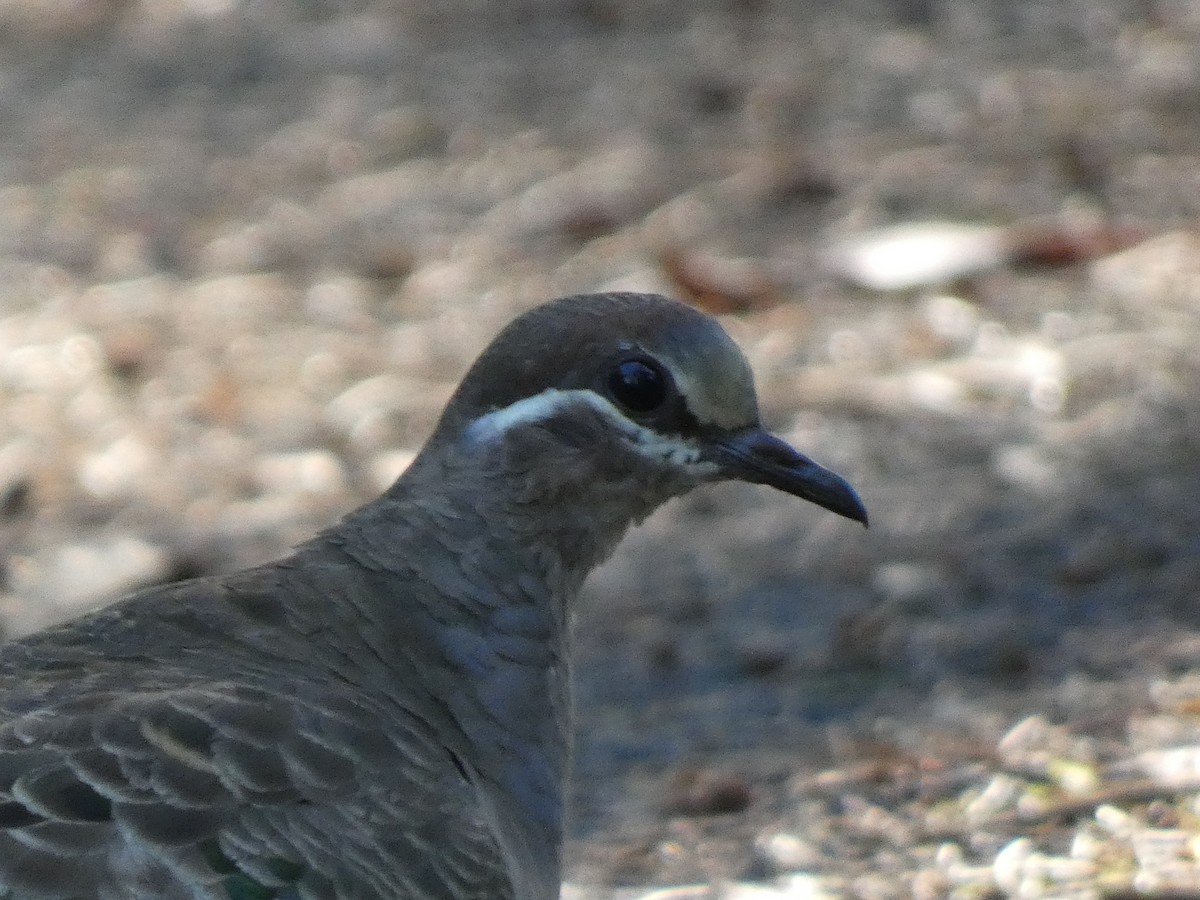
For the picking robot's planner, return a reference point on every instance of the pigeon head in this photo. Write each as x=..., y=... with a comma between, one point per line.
x=629, y=386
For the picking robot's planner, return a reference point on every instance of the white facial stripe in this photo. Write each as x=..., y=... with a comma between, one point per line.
x=539, y=407
x=683, y=454
x=531, y=409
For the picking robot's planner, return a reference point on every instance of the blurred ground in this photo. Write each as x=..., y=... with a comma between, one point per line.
x=247, y=248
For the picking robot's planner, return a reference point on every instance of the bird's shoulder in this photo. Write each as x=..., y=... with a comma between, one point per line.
x=168, y=771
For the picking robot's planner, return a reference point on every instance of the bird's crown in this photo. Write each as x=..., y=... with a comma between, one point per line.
x=656, y=360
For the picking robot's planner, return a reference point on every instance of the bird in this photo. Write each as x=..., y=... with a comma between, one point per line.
x=386, y=711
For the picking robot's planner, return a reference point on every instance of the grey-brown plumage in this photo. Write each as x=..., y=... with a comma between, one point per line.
x=385, y=713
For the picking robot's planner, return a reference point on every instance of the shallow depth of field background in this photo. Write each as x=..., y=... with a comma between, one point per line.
x=248, y=248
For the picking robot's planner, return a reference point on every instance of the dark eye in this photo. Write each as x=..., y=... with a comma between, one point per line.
x=640, y=385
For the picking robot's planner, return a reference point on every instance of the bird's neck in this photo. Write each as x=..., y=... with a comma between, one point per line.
x=527, y=507
x=488, y=554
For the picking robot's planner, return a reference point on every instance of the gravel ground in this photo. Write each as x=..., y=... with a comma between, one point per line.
x=246, y=250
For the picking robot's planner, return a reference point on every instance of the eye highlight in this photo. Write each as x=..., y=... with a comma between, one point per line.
x=640, y=385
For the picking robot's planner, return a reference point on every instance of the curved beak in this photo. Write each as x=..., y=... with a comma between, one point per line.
x=758, y=457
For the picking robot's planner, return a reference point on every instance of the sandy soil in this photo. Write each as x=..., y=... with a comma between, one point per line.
x=248, y=248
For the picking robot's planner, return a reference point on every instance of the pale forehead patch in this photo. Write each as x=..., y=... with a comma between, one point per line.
x=715, y=380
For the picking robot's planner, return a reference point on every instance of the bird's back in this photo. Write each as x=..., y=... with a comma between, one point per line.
x=180, y=745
